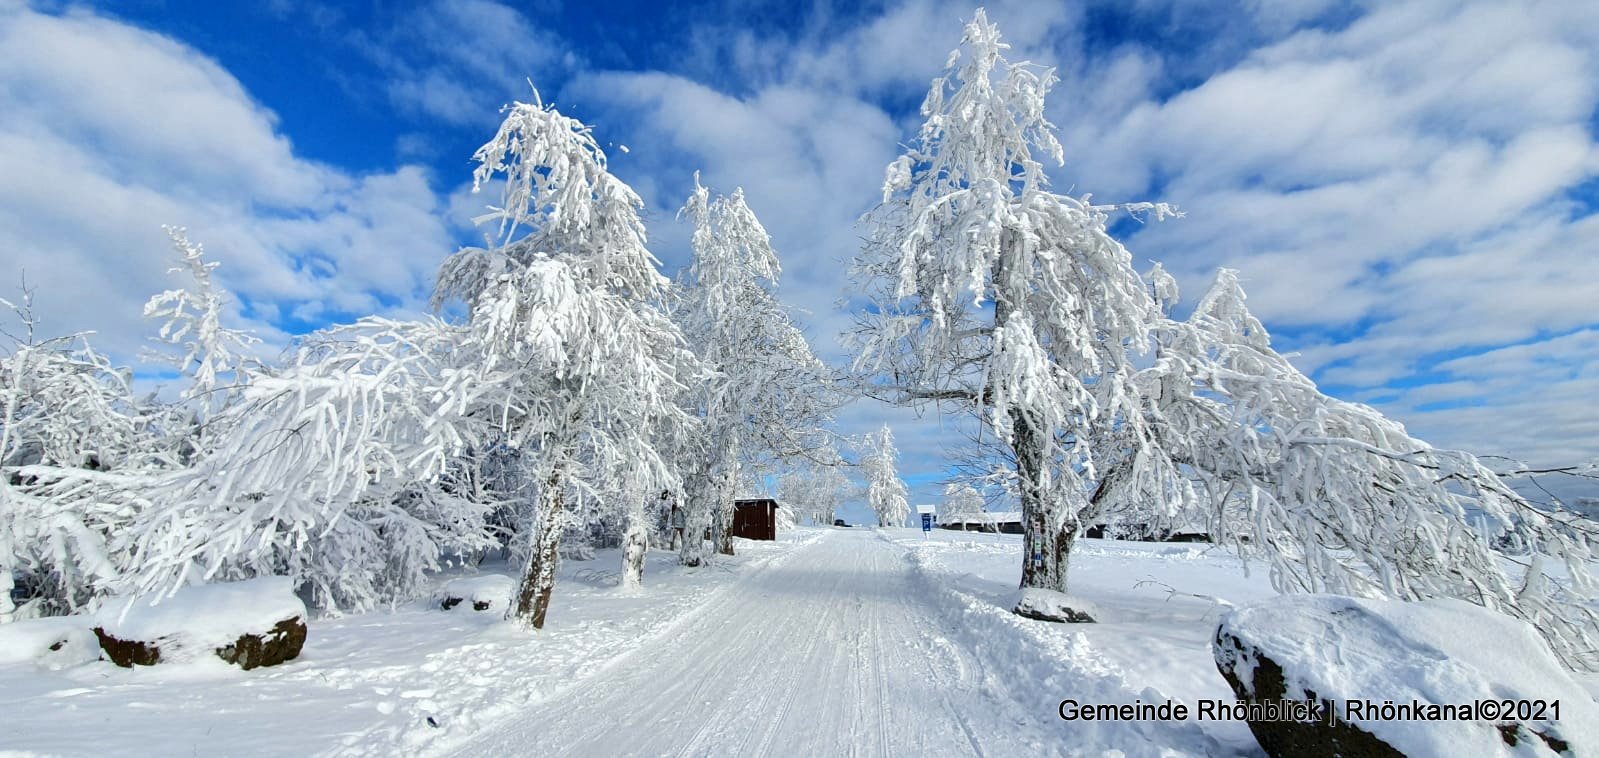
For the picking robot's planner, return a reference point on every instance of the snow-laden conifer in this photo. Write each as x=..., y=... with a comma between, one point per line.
x=885, y=491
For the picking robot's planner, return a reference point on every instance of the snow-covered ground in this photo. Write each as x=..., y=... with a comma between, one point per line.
x=828, y=642
x=1157, y=607
x=368, y=684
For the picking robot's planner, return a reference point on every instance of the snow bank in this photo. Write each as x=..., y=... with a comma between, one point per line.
x=488, y=592
x=1036, y=664
x=204, y=616
x=55, y=642
x=1434, y=652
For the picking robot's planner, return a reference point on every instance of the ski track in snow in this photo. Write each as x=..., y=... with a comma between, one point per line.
x=833, y=651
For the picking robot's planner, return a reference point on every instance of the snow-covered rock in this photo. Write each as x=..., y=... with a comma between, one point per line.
x=55, y=642
x=1379, y=667
x=488, y=592
x=1048, y=605
x=259, y=622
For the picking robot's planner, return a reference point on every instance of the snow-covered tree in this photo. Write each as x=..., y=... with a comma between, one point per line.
x=961, y=500
x=1337, y=497
x=815, y=490
x=326, y=471
x=995, y=294
x=885, y=491
x=565, y=300
x=769, y=395
x=75, y=444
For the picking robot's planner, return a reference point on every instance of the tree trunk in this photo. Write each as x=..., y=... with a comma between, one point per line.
x=1046, y=549
x=634, y=546
x=697, y=497
x=724, y=523
x=674, y=525
x=538, y=580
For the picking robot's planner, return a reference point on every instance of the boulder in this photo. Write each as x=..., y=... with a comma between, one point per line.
x=128, y=653
x=281, y=643
x=1399, y=678
x=1048, y=605
x=488, y=592
x=259, y=622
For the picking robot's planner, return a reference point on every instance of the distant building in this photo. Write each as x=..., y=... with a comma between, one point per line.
x=1006, y=522
x=1148, y=533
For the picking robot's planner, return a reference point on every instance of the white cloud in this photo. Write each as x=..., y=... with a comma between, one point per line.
x=111, y=131
x=458, y=61
x=1394, y=188
x=1395, y=192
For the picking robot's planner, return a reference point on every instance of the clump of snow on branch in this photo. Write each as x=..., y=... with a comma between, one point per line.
x=191, y=320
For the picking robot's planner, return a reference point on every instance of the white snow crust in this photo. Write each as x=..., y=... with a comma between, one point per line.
x=204, y=616
x=1437, y=651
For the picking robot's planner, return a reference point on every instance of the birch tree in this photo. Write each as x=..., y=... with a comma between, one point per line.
x=993, y=293
x=769, y=395
x=567, y=301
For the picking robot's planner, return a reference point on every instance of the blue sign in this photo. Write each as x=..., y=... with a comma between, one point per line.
x=927, y=522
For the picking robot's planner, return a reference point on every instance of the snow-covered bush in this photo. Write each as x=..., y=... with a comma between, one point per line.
x=76, y=446
x=327, y=472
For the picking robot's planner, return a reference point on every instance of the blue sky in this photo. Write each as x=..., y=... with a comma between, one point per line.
x=1408, y=188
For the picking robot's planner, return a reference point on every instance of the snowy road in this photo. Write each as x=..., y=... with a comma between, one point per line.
x=829, y=652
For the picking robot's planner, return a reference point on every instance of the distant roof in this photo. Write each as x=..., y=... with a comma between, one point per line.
x=987, y=517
